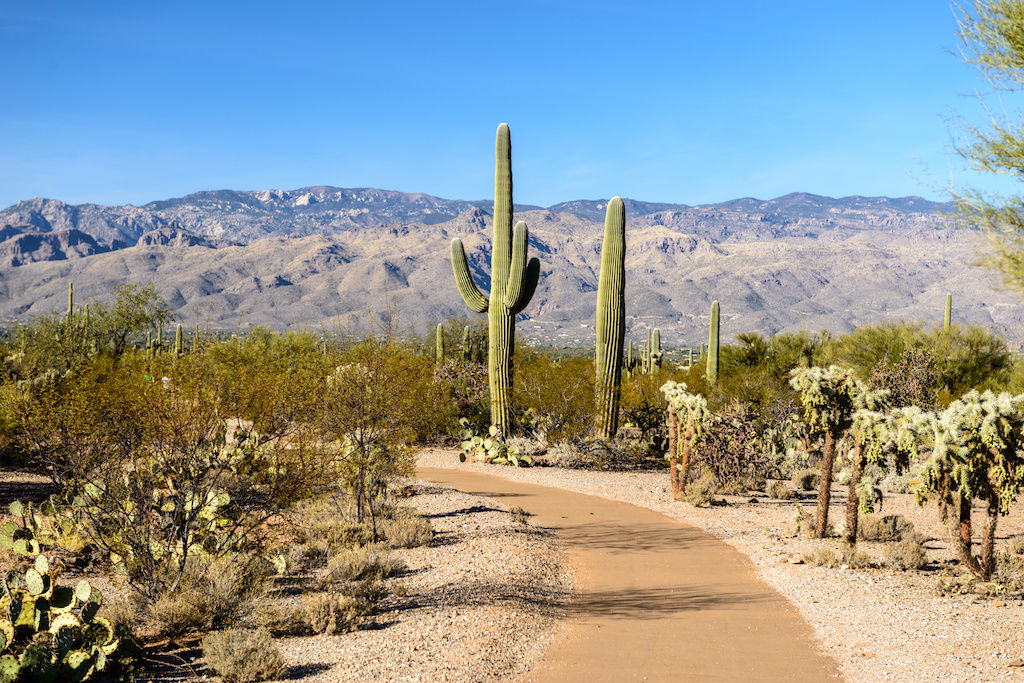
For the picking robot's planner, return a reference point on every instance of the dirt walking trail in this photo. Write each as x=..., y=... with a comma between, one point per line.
x=657, y=600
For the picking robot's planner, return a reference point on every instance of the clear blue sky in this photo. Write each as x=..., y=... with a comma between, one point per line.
x=689, y=102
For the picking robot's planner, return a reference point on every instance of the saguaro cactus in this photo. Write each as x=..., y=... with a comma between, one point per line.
x=71, y=300
x=656, y=350
x=513, y=281
x=947, y=320
x=611, y=320
x=712, y=370
x=439, y=344
x=179, y=344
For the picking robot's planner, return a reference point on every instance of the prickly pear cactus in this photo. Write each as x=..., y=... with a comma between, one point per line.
x=50, y=632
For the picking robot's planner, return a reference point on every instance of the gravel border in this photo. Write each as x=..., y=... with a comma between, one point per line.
x=877, y=624
x=482, y=601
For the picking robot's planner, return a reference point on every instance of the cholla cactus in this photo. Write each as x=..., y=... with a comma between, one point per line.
x=976, y=454
x=691, y=410
x=830, y=396
x=876, y=437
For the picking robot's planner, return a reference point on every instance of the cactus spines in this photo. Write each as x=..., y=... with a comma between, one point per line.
x=611, y=319
x=712, y=369
x=513, y=281
x=439, y=344
x=179, y=342
x=948, y=318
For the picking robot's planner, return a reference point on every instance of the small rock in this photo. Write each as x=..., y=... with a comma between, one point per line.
x=998, y=603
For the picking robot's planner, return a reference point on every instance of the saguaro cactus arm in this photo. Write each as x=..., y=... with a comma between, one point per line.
x=471, y=294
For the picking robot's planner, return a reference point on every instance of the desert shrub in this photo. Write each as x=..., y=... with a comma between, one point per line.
x=911, y=378
x=198, y=484
x=467, y=386
x=325, y=523
x=803, y=521
x=1015, y=546
x=373, y=406
x=806, y=480
x=408, y=530
x=885, y=528
x=701, y=492
x=212, y=594
x=566, y=455
x=519, y=515
x=822, y=557
x=554, y=395
x=906, y=554
x=779, y=490
x=371, y=561
x=857, y=559
x=731, y=445
x=243, y=655
x=1009, y=570
x=334, y=612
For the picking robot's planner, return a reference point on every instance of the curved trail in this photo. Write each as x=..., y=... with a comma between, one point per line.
x=656, y=599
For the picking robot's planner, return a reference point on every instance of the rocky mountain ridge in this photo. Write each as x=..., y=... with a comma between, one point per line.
x=325, y=257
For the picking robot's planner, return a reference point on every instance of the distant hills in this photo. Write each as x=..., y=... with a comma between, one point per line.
x=328, y=257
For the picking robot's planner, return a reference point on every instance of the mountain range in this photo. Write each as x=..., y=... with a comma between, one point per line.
x=327, y=257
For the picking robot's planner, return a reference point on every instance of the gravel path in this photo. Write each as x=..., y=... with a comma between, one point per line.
x=877, y=624
x=482, y=602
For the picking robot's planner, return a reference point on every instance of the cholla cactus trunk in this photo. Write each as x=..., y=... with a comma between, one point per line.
x=513, y=282
x=852, y=497
x=439, y=344
x=712, y=369
x=179, y=344
x=828, y=459
x=684, y=469
x=961, y=536
x=673, y=451
x=988, y=540
x=611, y=320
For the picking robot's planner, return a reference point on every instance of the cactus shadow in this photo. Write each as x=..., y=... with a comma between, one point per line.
x=463, y=511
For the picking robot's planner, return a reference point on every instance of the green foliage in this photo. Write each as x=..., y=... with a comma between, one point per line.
x=555, y=395
x=491, y=448
x=51, y=632
x=991, y=34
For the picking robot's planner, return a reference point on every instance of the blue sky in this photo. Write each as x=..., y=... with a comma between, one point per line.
x=663, y=101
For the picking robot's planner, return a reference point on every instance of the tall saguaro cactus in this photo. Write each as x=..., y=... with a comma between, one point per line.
x=439, y=344
x=947, y=320
x=611, y=320
x=71, y=300
x=179, y=343
x=712, y=370
x=513, y=281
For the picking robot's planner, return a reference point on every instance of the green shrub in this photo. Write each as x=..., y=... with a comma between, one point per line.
x=243, y=655
x=520, y=516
